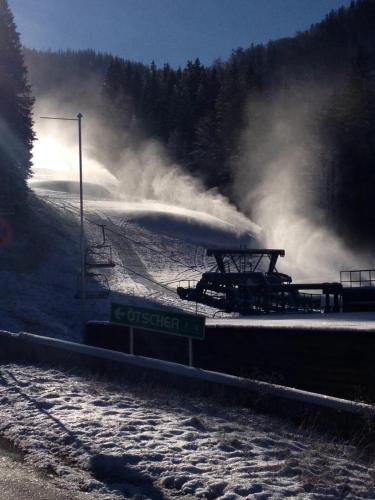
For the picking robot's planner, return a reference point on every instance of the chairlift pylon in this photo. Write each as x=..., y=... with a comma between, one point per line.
x=97, y=286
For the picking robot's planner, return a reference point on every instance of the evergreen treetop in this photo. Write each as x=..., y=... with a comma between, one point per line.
x=16, y=133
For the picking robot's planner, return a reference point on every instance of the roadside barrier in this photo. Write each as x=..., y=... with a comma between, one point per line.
x=333, y=414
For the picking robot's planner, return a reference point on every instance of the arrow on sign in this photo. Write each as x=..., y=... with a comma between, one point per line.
x=119, y=314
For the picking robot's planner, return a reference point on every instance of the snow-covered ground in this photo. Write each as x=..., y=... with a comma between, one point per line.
x=126, y=439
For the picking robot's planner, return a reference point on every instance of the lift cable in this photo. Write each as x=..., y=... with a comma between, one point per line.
x=136, y=242
x=72, y=208
x=144, y=277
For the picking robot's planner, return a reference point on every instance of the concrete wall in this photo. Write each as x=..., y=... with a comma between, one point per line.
x=339, y=363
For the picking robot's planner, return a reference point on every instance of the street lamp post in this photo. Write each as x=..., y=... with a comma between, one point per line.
x=82, y=229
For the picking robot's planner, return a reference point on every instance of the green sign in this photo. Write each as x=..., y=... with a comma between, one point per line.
x=157, y=320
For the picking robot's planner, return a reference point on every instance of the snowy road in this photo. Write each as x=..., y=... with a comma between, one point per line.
x=22, y=482
x=121, y=439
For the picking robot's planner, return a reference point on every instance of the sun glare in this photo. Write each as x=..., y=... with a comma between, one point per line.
x=54, y=160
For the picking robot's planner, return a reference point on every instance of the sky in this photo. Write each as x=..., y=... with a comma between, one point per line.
x=163, y=31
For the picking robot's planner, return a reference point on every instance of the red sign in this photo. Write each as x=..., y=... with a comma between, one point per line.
x=5, y=232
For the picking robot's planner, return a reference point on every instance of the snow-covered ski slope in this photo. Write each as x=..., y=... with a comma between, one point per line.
x=155, y=246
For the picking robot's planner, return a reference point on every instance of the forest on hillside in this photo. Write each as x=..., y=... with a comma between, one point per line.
x=308, y=100
x=16, y=133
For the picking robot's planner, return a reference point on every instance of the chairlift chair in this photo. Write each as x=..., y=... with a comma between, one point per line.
x=99, y=256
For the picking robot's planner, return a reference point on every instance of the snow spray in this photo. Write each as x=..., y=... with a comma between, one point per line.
x=277, y=180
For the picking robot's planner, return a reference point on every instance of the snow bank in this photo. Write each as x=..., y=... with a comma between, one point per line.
x=115, y=440
x=329, y=322
x=92, y=190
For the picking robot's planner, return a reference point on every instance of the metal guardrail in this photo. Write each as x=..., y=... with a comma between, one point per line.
x=332, y=412
x=358, y=278
x=310, y=302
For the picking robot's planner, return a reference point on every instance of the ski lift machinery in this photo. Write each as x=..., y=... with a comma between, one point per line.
x=98, y=258
x=246, y=281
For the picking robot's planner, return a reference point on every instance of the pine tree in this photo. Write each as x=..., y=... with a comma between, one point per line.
x=16, y=133
x=349, y=123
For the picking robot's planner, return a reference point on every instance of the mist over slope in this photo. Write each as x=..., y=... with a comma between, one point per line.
x=141, y=169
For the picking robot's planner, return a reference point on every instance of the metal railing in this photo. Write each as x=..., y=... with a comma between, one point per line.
x=187, y=283
x=358, y=278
